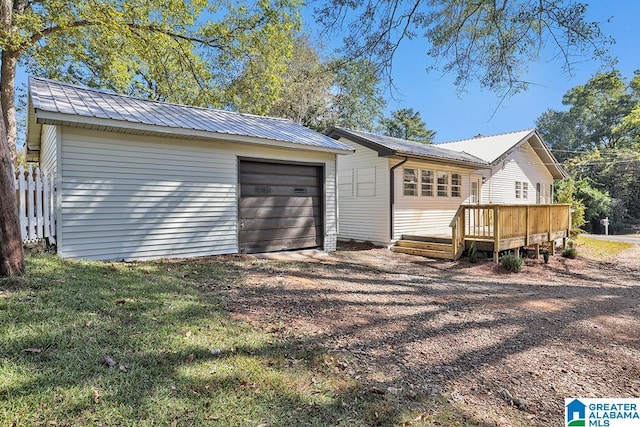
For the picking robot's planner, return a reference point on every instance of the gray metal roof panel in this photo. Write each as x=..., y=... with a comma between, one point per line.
x=58, y=97
x=403, y=146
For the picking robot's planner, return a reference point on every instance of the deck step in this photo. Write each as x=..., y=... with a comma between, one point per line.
x=425, y=249
x=427, y=253
x=432, y=239
x=423, y=245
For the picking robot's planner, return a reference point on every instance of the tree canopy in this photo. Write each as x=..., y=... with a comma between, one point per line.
x=489, y=41
x=407, y=124
x=598, y=139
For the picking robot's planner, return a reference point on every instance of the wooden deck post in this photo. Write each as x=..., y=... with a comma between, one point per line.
x=526, y=225
x=496, y=234
x=537, y=250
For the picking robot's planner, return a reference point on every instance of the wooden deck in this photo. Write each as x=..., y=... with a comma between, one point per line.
x=494, y=228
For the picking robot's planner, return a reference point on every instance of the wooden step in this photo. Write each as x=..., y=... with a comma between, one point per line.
x=431, y=239
x=423, y=245
x=427, y=253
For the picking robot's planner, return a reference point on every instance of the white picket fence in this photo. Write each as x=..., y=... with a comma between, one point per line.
x=35, y=190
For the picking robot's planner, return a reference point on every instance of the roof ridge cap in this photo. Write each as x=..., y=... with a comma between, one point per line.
x=487, y=136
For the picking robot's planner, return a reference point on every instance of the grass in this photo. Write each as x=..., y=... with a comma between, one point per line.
x=602, y=250
x=180, y=359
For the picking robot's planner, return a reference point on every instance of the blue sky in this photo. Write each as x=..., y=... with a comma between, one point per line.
x=456, y=115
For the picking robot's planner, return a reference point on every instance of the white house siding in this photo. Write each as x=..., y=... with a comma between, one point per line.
x=522, y=165
x=363, y=193
x=133, y=197
x=426, y=215
x=48, y=149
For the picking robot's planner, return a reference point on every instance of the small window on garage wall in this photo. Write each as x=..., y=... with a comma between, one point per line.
x=366, y=182
x=426, y=183
x=443, y=184
x=410, y=182
x=345, y=183
x=456, y=185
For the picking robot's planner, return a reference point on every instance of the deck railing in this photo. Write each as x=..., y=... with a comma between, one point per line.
x=510, y=226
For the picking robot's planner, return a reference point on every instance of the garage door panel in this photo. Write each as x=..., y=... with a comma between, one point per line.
x=280, y=212
x=279, y=245
x=293, y=190
x=278, y=169
x=278, y=201
x=280, y=206
x=285, y=180
x=291, y=233
x=271, y=223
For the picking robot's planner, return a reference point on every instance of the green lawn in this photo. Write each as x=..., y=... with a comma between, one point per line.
x=180, y=359
x=602, y=250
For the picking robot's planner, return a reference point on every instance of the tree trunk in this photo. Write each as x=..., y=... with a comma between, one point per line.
x=11, y=252
x=8, y=99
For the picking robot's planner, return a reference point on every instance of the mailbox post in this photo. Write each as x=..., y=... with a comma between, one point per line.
x=605, y=222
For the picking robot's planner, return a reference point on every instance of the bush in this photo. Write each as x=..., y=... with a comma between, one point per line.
x=545, y=255
x=570, y=253
x=473, y=253
x=512, y=263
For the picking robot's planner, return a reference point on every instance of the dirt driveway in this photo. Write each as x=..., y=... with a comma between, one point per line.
x=505, y=348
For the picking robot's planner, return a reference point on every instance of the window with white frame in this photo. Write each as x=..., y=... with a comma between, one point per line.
x=525, y=190
x=456, y=185
x=539, y=196
x=443, y=184
x=518, y=190
x=426, y=183
x=410, y=182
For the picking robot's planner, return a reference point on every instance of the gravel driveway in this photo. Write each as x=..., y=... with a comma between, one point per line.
x=505, y=348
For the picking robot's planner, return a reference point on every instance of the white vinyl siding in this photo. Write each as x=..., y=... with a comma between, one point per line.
x=49, y=149
x=520, y=166
x=426, y=214
x=363, y=180
x=132, y=197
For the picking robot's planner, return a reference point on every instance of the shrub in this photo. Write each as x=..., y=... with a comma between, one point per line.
x=512, y=263
x=473, y=252
x=570, y=253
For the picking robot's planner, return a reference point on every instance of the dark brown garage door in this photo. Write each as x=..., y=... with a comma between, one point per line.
x=280, y=206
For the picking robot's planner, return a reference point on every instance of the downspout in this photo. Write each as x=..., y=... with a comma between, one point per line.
x=392, y=195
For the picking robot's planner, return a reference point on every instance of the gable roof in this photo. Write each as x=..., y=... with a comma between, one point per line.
x=58, y=103
x=389, y=146
x=495, y=147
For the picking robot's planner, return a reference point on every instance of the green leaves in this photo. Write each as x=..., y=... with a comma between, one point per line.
x=185, y=52
x=492, y=42
x=407, y=124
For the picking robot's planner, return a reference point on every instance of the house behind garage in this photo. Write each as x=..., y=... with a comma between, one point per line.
x=138, y=179
x=390, y=187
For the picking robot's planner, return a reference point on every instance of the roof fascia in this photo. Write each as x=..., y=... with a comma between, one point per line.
x=440, y=160
x=380, y=149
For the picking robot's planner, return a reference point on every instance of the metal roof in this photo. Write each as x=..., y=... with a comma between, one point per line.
x=54, y=102
x=387, y=146
x=494, y=147
x=488, y=148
